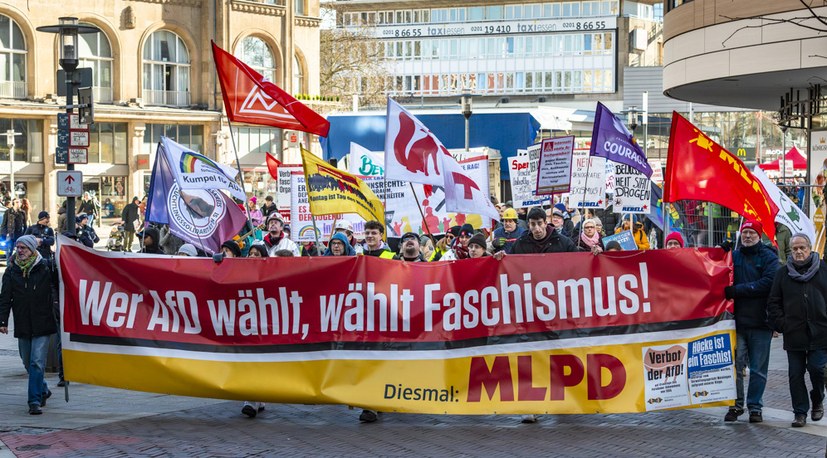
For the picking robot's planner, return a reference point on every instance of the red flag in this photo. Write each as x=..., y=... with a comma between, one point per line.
x=250, y=98
x=273, y=166
x=698, y=168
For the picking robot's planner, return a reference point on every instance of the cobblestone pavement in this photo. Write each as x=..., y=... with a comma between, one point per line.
x=101, y=421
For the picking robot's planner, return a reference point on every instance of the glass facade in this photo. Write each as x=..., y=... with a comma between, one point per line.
x=96, y=53
x=254, y=52
x=12, y=59
x=108, y=143
x=28, y=145
x=166, y=74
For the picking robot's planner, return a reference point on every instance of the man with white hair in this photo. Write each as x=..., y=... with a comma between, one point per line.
x=797, y=307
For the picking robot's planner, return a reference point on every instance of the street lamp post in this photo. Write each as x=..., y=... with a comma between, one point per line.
x=68, y=30
x=465, y=101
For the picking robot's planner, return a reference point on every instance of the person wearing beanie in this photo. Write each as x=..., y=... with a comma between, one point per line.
x=28, y=292
x=276, y=239
x=151, y=239
x=86, y=233
x=477, y=247
x=187, y=249
x=459, y=247
x=673, y=240
x=44, y=234
x=410, y=249
x=230, y=249
x=796, y=307
x=755, y=265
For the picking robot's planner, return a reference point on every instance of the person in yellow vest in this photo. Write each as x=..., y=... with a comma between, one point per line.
x=374, y=245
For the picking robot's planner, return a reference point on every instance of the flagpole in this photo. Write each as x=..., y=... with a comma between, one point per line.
x=585, y=187
x=240, y=172
x=421, y=213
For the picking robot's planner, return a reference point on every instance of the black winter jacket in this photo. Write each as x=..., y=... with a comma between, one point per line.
x=554, y=242
x=30, y=299
x=799, y=310
x=755, y=269
x=47, y=238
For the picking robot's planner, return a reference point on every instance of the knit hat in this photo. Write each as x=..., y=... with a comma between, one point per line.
x=187, y=249
x=754, y=225
x=466, y=230
x=43, y=214
x=253, y=199
x=560, y=206
x=81, y=217
x=233, y=247
x=454, y=230
x=674, y=236
x=478, y=239
x=28, y=241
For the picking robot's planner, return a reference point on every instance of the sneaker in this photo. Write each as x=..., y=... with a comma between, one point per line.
x=61, y=383
x=34, y=409
x=733, y=413
x=260, y=407
x=368, y=416
x=44, y=397
x=249, y=410
x=800, y=420
x=529, y=419
x=755, y=417
x=818, y=412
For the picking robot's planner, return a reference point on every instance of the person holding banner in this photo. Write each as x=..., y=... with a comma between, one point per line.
x=797, y=307
x=410, y=249
x=275, y=239
x=339, y=246
x=542, y=237
x=508, y=232
x=477, y=248
x=29, y=288
x=755, y=265
x=673, y=240
x=589, y=239
x=374, y=245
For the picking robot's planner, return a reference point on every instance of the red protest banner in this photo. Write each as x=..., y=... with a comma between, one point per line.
x=175, y=317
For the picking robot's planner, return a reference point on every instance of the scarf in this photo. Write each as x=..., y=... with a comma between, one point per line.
x=460, y=251
x=26, y=266
x=590, y=241
x=802, y=272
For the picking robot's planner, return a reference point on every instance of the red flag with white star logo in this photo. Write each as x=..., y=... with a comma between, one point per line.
x=250, y=98
x=698, y=168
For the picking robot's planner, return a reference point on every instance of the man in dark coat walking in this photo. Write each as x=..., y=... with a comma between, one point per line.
x=798, y=308
x=29, y=287
x=755, y=266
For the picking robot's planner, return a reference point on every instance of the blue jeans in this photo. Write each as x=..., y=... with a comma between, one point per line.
x=753, y=351
x=812, y=361
x=33, y=353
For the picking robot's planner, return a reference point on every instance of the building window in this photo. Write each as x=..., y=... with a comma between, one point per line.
x=166, y=70
x=28, y=143
x=257, y=54
x=96, y=53
x=300, y=10
x=107, y=143
x=190, y=136
x=255, y=141
x=12, y=60
x=298, y=76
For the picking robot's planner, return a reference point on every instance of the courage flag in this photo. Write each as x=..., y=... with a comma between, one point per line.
x=249, y=97
x=612, y=140
x=204, y=217
x=332, y=191
x=698, y=168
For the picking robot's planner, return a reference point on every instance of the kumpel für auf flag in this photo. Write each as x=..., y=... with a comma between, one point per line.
x=251, y=98
x=698, y=168
x=203, y=217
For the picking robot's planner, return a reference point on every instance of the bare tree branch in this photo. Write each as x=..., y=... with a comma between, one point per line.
x=797, y=21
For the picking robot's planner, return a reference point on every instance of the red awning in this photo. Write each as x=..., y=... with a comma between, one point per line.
x=798, y=160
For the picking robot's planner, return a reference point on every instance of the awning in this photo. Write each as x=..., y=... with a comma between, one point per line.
x=798, y=160
x=506, y=131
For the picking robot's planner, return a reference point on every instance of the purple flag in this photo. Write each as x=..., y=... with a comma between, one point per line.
x=612, y=140
x=205, y=218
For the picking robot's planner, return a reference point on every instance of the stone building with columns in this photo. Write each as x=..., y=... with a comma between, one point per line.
x=153, y=75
